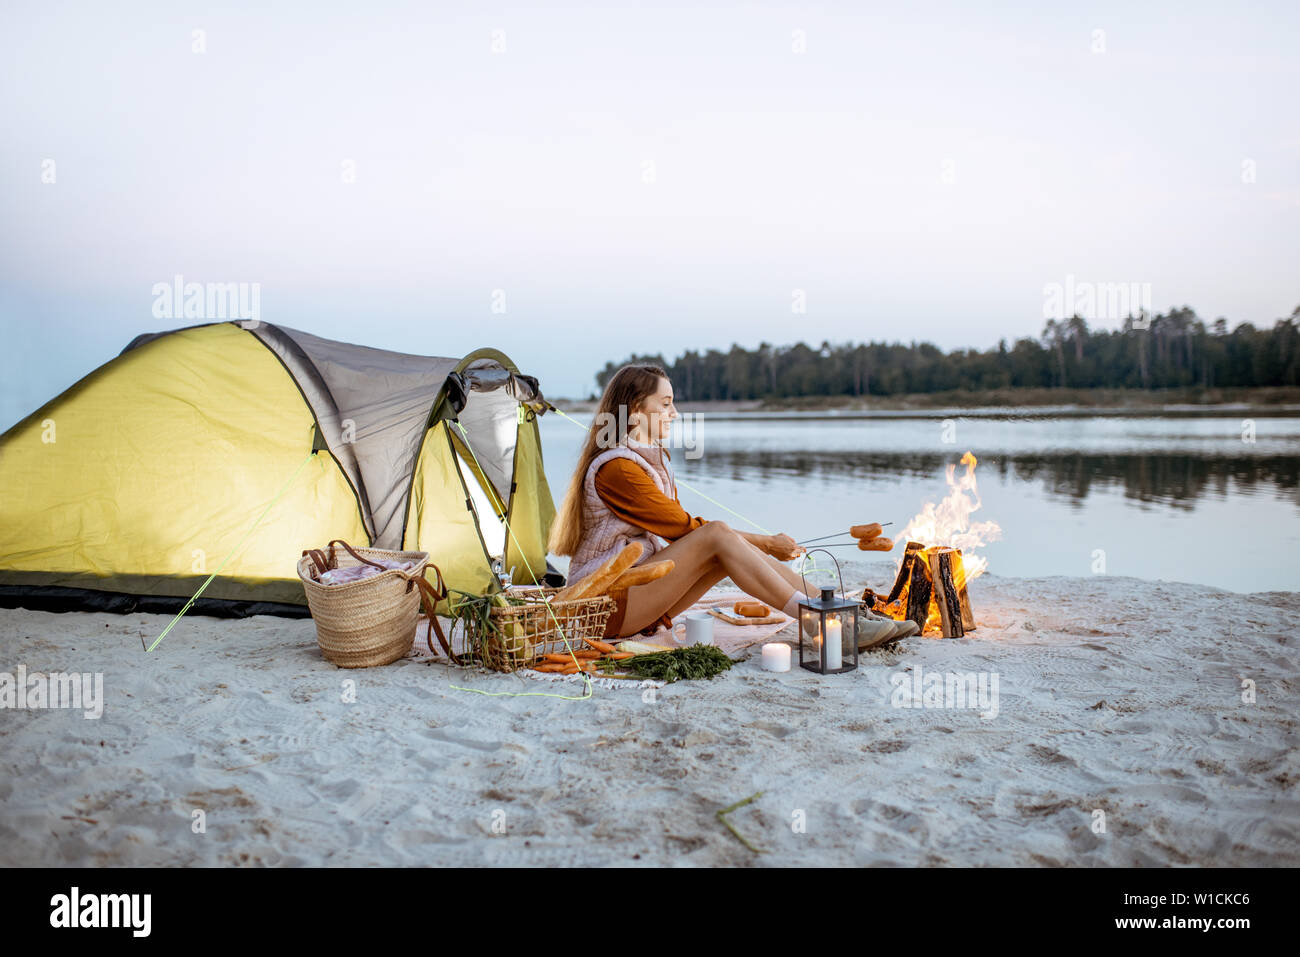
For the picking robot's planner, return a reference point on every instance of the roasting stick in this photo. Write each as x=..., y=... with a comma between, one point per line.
x=835, y=535
x=854, y=544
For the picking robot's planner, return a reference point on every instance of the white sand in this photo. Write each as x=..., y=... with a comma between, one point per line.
x=1115, y=695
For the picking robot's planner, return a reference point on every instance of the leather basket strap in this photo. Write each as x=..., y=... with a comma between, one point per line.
x=318, y=559
x=430, y=597
x=353, y=552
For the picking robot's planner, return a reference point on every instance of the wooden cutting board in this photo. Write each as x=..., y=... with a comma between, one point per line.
x=724, y=612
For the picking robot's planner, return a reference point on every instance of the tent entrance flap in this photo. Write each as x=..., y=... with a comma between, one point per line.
x=490, y=516
x=490, y=424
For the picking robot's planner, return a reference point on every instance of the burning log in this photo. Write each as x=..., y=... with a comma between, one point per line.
x=904, y=572
x=920, y=589
x=946, y=595
x=930, y=589
x=967, y=615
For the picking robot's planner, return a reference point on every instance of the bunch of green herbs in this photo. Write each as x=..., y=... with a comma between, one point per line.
x=690, y=663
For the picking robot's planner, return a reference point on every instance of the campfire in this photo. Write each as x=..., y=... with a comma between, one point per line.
x=938, y=562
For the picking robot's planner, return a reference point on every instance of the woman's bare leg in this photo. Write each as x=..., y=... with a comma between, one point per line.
x=693, y=594
x=785, y=571
x=715, y=574
x=694, y=556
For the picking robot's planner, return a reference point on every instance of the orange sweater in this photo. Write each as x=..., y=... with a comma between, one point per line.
x=632, y=495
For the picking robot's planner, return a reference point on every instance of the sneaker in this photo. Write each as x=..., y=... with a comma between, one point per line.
x=909, y=626
x=876, y=631
x=873, y=633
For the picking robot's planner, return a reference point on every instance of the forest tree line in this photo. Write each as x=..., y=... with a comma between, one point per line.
x=1172, y=350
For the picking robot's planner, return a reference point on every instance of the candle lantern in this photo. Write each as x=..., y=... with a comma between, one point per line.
x=828, y=629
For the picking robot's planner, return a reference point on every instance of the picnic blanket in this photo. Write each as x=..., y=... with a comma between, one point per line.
x=734, y=640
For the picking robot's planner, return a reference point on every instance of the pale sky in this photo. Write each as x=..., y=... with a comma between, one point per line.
x=646, y=178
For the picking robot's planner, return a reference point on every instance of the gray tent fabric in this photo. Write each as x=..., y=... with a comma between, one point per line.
x=374, y=406
x=490, y=420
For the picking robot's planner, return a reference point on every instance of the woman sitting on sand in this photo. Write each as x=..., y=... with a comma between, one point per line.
x=624, y=490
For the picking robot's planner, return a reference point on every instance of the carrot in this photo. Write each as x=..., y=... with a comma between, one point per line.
x=569, y=669
x=558, y=658
x=587, y=654
x=548, y=667
x=602, y=646
x=620, y=655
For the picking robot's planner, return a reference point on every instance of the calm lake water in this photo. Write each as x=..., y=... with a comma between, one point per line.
x=1179, y=498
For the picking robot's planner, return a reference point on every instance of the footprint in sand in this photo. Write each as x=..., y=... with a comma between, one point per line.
x=772, y=728
x=441, y=734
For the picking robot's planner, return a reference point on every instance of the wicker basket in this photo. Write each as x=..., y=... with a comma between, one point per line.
x=521, y=633
x=369, y=622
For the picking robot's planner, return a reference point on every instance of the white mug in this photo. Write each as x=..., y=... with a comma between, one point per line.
x=699, y=628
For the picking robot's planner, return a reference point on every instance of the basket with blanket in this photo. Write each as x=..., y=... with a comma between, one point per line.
x=519, y=626
x=366, y=602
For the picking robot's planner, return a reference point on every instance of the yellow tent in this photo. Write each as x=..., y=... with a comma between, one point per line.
x=129, y=489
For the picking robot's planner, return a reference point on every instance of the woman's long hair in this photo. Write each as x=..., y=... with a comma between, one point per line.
x=627, y=388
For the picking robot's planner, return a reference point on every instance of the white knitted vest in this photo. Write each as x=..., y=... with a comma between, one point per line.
x=604, y=533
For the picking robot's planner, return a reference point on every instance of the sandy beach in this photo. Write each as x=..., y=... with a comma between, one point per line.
x=1120, y=737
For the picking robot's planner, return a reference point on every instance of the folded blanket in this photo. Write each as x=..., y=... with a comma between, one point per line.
x=355, y=573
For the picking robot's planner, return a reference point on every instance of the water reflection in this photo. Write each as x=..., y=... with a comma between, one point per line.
x=1064, y=491
x=1175, y=479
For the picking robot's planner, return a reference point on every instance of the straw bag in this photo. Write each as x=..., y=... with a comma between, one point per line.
x=372, y=621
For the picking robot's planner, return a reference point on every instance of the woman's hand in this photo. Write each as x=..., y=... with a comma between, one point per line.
x=782, y=547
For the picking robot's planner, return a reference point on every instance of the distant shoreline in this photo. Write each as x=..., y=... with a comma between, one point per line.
x=1268, y=401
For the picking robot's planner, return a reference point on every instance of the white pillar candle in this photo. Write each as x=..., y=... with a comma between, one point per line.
x=776, y=656
x=833, y=659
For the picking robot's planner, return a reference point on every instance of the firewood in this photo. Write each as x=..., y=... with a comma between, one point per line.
x=904, y=571
x=930, y=575
x=959, y=573
x=946, y=593
x=919, y=590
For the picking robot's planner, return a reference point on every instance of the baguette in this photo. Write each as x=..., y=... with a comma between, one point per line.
x=641, y=574
x=598, y=582
x=876, y=544
x=872, y=530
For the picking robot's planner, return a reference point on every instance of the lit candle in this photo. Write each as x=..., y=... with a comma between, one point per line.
x=776, y=656
x=833, y=660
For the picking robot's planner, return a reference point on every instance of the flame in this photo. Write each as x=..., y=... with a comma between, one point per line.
x=948, y=522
